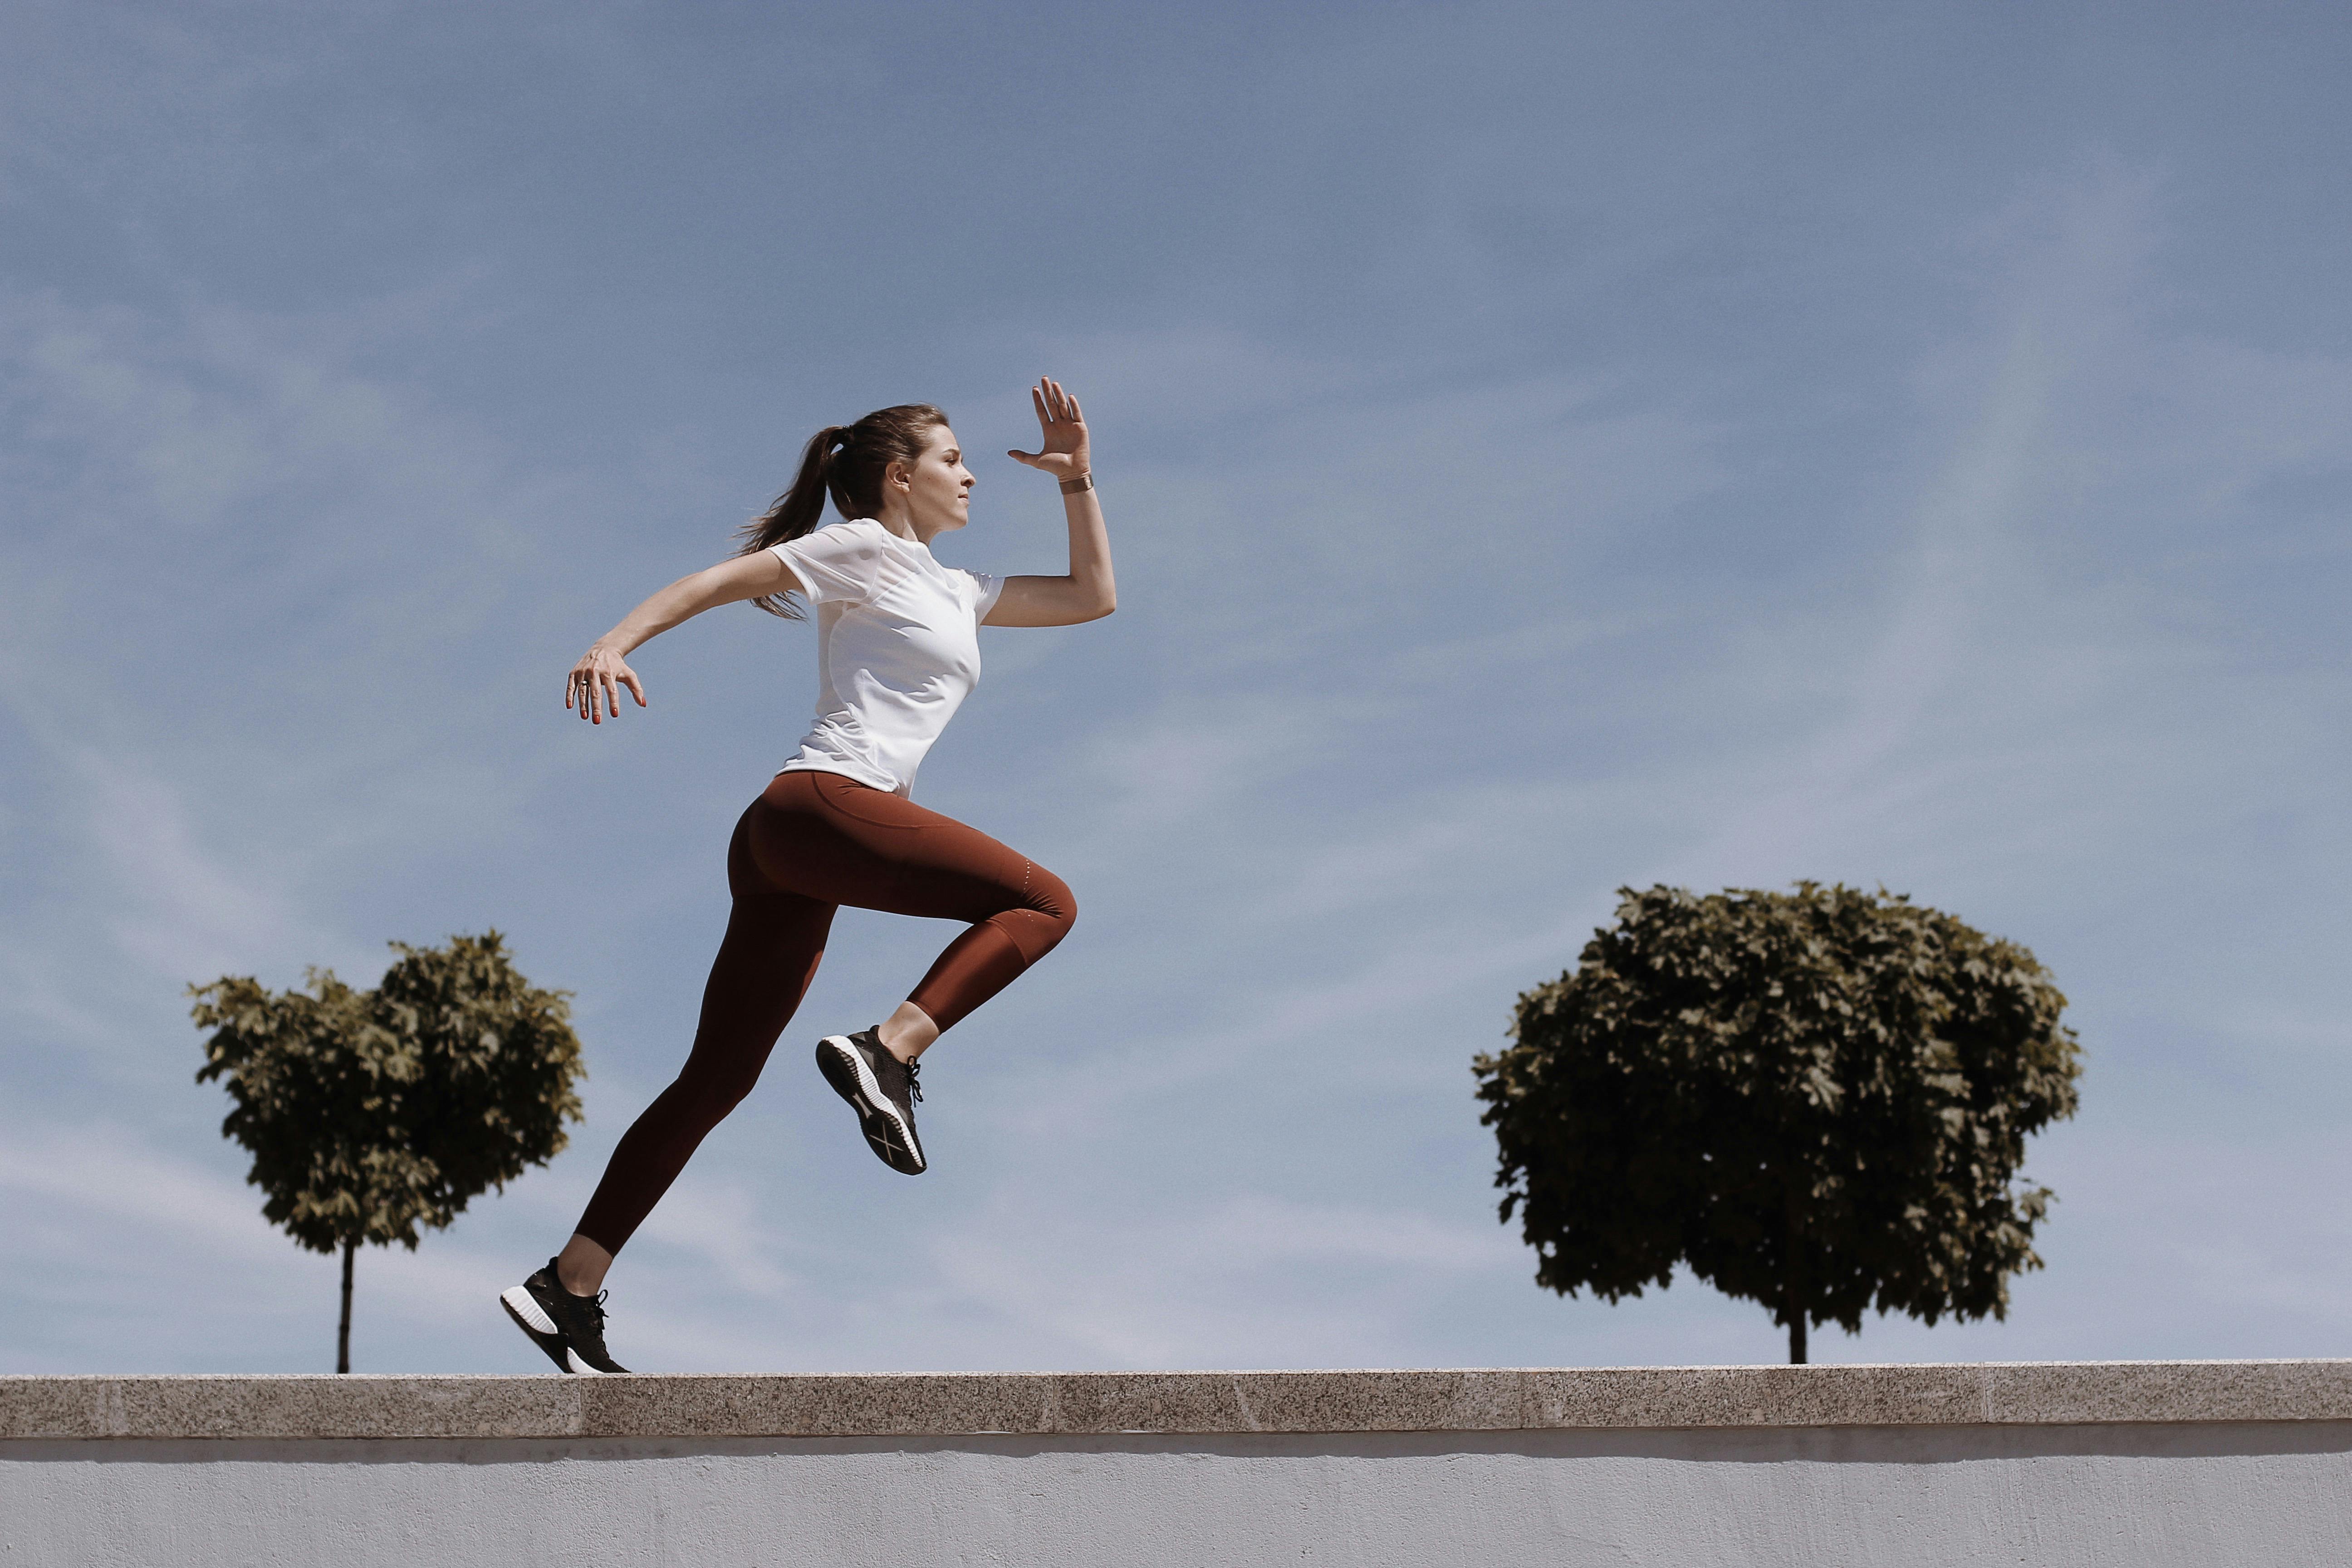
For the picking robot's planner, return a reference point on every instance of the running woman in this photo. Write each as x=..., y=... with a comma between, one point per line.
x=897, y=651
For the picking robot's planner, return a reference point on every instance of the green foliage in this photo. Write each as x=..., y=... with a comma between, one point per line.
x=1818, y=1101
x=370, y=1113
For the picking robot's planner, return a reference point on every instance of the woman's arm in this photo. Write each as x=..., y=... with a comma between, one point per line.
x=604, y=669
x=1088, y=591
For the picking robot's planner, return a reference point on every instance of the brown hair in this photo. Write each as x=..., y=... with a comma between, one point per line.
x=846, y=461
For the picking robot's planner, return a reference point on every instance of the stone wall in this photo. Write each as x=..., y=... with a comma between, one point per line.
x=2145, y=1464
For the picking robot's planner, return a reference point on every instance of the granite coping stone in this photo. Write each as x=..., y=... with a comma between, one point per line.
x=708, y=1405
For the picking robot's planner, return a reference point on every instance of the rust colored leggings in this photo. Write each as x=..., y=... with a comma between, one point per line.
x=811, y=843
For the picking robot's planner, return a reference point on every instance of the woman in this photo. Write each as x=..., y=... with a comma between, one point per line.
x=897, y=651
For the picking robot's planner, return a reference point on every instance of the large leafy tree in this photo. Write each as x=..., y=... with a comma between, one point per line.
x=370, y=1114
x=1817, y=1100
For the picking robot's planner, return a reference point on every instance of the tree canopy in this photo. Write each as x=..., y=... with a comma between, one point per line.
x=370, y=1114
x=1816, y=1100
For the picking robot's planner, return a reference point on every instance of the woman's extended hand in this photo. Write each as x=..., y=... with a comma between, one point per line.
x=1063, y=444
x=596, y=681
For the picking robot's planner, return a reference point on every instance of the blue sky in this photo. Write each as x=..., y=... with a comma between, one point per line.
x=1547, y=448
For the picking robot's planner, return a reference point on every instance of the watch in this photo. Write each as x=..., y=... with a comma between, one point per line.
x=1078, y=486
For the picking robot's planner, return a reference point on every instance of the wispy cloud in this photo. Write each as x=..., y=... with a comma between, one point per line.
x=1177, y=1290
x=184, y=913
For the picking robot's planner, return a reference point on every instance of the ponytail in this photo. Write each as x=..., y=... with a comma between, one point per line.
x=847, y=462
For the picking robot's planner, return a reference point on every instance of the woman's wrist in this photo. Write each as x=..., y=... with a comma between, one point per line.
x=1079, y=483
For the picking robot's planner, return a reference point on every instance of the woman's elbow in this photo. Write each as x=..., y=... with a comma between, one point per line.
x=1105, y=603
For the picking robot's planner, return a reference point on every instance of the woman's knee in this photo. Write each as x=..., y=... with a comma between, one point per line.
x=1050, y=896
x=710, y=1094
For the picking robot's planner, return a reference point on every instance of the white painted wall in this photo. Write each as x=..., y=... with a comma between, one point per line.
x=2276, y=1495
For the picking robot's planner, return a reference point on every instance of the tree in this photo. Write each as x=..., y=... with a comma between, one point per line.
x=370, y=1113
x=1818, y=1101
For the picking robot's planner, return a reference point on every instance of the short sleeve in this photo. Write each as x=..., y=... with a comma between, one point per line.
x=837, y=564
x=982, y=592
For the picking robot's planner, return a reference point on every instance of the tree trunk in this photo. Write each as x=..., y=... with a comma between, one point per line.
x=1793, y=1307
x=343, y=1332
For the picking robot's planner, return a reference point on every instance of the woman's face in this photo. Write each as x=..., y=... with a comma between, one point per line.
x=938, y=487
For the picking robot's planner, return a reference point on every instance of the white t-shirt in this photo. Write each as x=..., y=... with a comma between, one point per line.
x=898, y=648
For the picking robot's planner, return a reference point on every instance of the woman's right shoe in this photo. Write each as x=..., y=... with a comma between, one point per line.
x=568, y=1328
x=882, y=1090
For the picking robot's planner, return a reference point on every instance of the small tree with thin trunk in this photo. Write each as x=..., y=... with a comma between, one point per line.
x=1818, y=1101
x=372, y=1114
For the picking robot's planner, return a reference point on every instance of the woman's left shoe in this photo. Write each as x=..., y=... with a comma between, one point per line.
x=568, y=1328
x=882, y=1090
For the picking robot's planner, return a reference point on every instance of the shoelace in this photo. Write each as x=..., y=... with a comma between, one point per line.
x=914, y=1085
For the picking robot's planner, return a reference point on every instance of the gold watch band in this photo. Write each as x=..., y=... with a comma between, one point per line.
x=1078, y=486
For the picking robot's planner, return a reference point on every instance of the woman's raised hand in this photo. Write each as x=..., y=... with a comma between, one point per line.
x=1062, y=446
x=596, y=682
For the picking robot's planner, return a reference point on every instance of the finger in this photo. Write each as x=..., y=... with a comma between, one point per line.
x=1037, y=396
x=612, y=698
x=1075, y=416
x=1028, y=458
x=571, y=685
x=1053, y=398
x=631, y=677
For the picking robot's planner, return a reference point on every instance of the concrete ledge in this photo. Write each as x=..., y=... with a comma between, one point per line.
x=2100, y=1465
x=2024, y=1394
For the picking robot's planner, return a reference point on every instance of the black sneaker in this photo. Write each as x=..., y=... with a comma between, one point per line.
x=568, y=1328
x=883, y=1091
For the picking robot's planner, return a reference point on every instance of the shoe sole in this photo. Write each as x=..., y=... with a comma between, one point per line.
x=533, y=1319
x=891, y=1140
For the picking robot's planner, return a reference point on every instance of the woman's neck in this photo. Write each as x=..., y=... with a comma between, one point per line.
x=900, y=521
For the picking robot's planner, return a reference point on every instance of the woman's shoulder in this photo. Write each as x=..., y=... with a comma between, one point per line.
x=845, y=537
x=841, y=528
